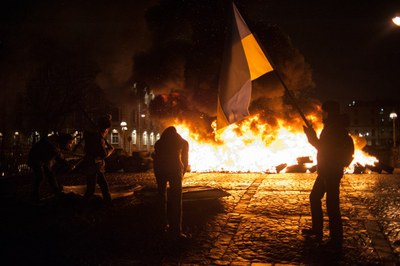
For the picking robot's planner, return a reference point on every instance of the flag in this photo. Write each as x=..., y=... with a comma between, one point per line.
x=243, y=62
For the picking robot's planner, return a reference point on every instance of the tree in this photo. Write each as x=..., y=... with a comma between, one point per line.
x=63, y=86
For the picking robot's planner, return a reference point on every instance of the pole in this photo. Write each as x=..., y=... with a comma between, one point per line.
x=283, y=83
x=289, y=93
x=123, y=139
x=394, y=133
x=139, y=130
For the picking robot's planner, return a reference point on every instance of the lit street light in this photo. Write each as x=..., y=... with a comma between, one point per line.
x=395, y=152
x=124, y=128
x=393, y=116
x=396, y=20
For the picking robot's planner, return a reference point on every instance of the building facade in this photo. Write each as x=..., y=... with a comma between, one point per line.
x=133, y=129
x=375, y=120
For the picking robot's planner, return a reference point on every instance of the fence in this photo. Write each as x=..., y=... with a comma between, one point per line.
x=14, y=161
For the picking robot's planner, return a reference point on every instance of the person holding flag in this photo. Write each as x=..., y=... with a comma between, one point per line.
x=335, y=149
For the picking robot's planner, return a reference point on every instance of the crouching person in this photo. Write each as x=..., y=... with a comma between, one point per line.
x=43, y=157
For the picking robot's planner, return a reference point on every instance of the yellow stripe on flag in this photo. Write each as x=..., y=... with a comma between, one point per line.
x=243, y=62
x=256, y=59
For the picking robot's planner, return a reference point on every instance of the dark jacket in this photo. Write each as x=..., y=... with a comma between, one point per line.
x=171, y=153
x=335, y=146
x=44, y=151
x=95, y=146
x=95, y=150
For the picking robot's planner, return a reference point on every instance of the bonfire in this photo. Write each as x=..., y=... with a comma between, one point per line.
x=254, y=146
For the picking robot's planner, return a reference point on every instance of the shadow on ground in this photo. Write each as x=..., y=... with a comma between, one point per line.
x=69, y=231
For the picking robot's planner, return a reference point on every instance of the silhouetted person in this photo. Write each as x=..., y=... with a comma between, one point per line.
x=96, y=150
x=335, y=152
x=43, y=157
x=170, y=164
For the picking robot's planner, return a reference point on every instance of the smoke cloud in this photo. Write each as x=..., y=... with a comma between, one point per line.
x=108, y=32
x=187, y=42
x=167, y=45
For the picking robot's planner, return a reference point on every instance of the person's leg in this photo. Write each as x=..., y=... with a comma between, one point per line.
x=52, y=180
x=175, y=204
x=162, y=201
x=37, y=180
x=105, y=191
x=90, y=185
x=333, y=208
x=316, y=195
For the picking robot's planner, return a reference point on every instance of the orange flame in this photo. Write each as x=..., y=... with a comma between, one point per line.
x=253, y=146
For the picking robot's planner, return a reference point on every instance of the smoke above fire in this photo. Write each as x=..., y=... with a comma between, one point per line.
x=181, y=66
x=185, y=55
x=168, y=45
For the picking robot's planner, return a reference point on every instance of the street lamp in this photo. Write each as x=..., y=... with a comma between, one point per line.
x=396, y=20
x=124, y=128
x=393, y=116
x=395, y=152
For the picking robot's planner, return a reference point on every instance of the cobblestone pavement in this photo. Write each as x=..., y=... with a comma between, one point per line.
x=264, y=215
x=258, y=224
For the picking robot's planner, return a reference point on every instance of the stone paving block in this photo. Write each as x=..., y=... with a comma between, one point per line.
x=240, y=263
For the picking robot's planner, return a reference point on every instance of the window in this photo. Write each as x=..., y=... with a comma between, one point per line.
x=114, y=137
x=134, y=137
x=145, y=138
x=152, y=138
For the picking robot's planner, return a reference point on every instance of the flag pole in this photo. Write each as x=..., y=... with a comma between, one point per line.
x=289, y=93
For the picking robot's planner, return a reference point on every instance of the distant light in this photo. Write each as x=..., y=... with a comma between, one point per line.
x=396, y=20
x=123, y=124
x=393, y=115
x=143, y=115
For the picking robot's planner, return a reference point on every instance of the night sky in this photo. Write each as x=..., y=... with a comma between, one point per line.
x=351, y=47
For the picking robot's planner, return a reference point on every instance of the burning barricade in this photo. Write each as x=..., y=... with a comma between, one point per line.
x=253, y=146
